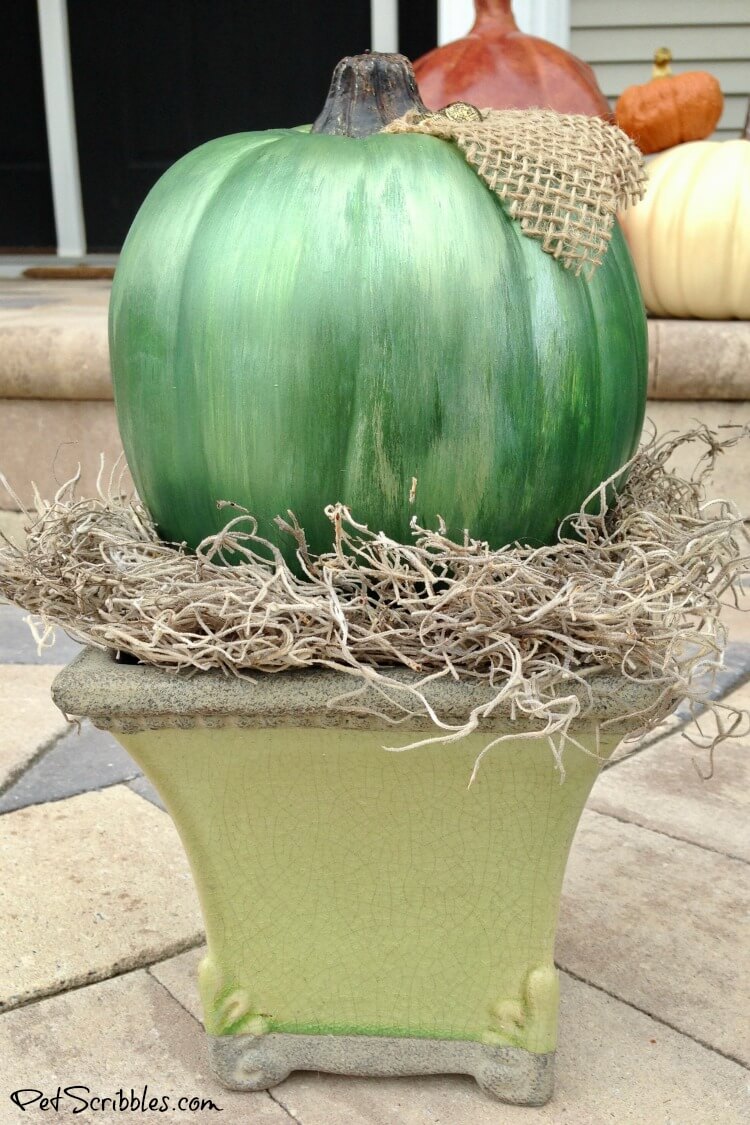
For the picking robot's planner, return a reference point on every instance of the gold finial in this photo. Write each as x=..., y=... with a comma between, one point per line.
x=662, y=59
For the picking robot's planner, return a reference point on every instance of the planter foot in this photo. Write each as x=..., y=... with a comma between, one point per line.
x=247, y=1062
x=517, y=1076
x=508, y=1074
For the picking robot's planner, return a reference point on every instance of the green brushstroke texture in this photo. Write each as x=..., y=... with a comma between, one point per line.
x=301, y=319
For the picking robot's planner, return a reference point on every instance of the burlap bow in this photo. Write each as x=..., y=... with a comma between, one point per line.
x=562, y=177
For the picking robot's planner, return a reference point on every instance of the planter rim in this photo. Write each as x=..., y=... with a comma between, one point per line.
x=134, y=697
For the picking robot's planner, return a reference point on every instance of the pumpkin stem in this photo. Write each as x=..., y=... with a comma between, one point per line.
x=745, y=134
x=496, y=11
x=367, y=93
x=662, y=59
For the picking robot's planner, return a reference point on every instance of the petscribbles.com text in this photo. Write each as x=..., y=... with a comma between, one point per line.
x=79, y=1099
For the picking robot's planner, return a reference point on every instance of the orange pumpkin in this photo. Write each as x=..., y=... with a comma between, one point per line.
x=496, y=65
x=671, y=108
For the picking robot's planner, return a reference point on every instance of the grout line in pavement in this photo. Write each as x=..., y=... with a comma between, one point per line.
x=78, y=793
x=285, y=1108
x=669, y=835
x=653, y=1016
x=168, y=992
x=677, y=839
x=16, y=774
x=119, y=970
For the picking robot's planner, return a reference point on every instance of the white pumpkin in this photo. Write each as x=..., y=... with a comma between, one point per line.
x=690, y=235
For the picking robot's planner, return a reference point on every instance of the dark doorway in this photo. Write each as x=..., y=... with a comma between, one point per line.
x=417, y=27
x=155, y=78
x=27, y=219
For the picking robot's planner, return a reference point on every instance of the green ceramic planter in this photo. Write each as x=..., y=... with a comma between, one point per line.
x=366, y=912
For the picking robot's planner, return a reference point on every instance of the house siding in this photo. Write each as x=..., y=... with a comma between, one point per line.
x=619, y=41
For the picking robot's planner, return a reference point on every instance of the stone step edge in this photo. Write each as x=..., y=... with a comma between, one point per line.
x=67, y=359
x=699, y=359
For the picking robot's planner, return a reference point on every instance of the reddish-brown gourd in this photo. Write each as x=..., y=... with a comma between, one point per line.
x=497, y=66
x=671, y=108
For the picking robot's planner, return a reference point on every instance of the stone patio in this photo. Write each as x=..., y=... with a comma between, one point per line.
x=103, y=934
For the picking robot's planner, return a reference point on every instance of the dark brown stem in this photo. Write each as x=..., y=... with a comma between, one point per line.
x=367, y=93
x=745, y=134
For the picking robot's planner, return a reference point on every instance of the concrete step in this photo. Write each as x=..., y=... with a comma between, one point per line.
x=699, y=359
x=53, y=340
x=53, y=345
x=56, y=409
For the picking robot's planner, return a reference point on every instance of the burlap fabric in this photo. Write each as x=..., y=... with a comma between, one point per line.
x=562, y=177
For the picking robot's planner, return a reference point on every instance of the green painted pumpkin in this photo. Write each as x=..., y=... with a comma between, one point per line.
x=300, y=318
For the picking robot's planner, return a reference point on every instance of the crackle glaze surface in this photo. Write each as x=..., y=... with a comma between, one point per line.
x=350, y=890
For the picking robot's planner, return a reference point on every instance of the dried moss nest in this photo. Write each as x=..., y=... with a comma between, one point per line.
x=635, y=590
